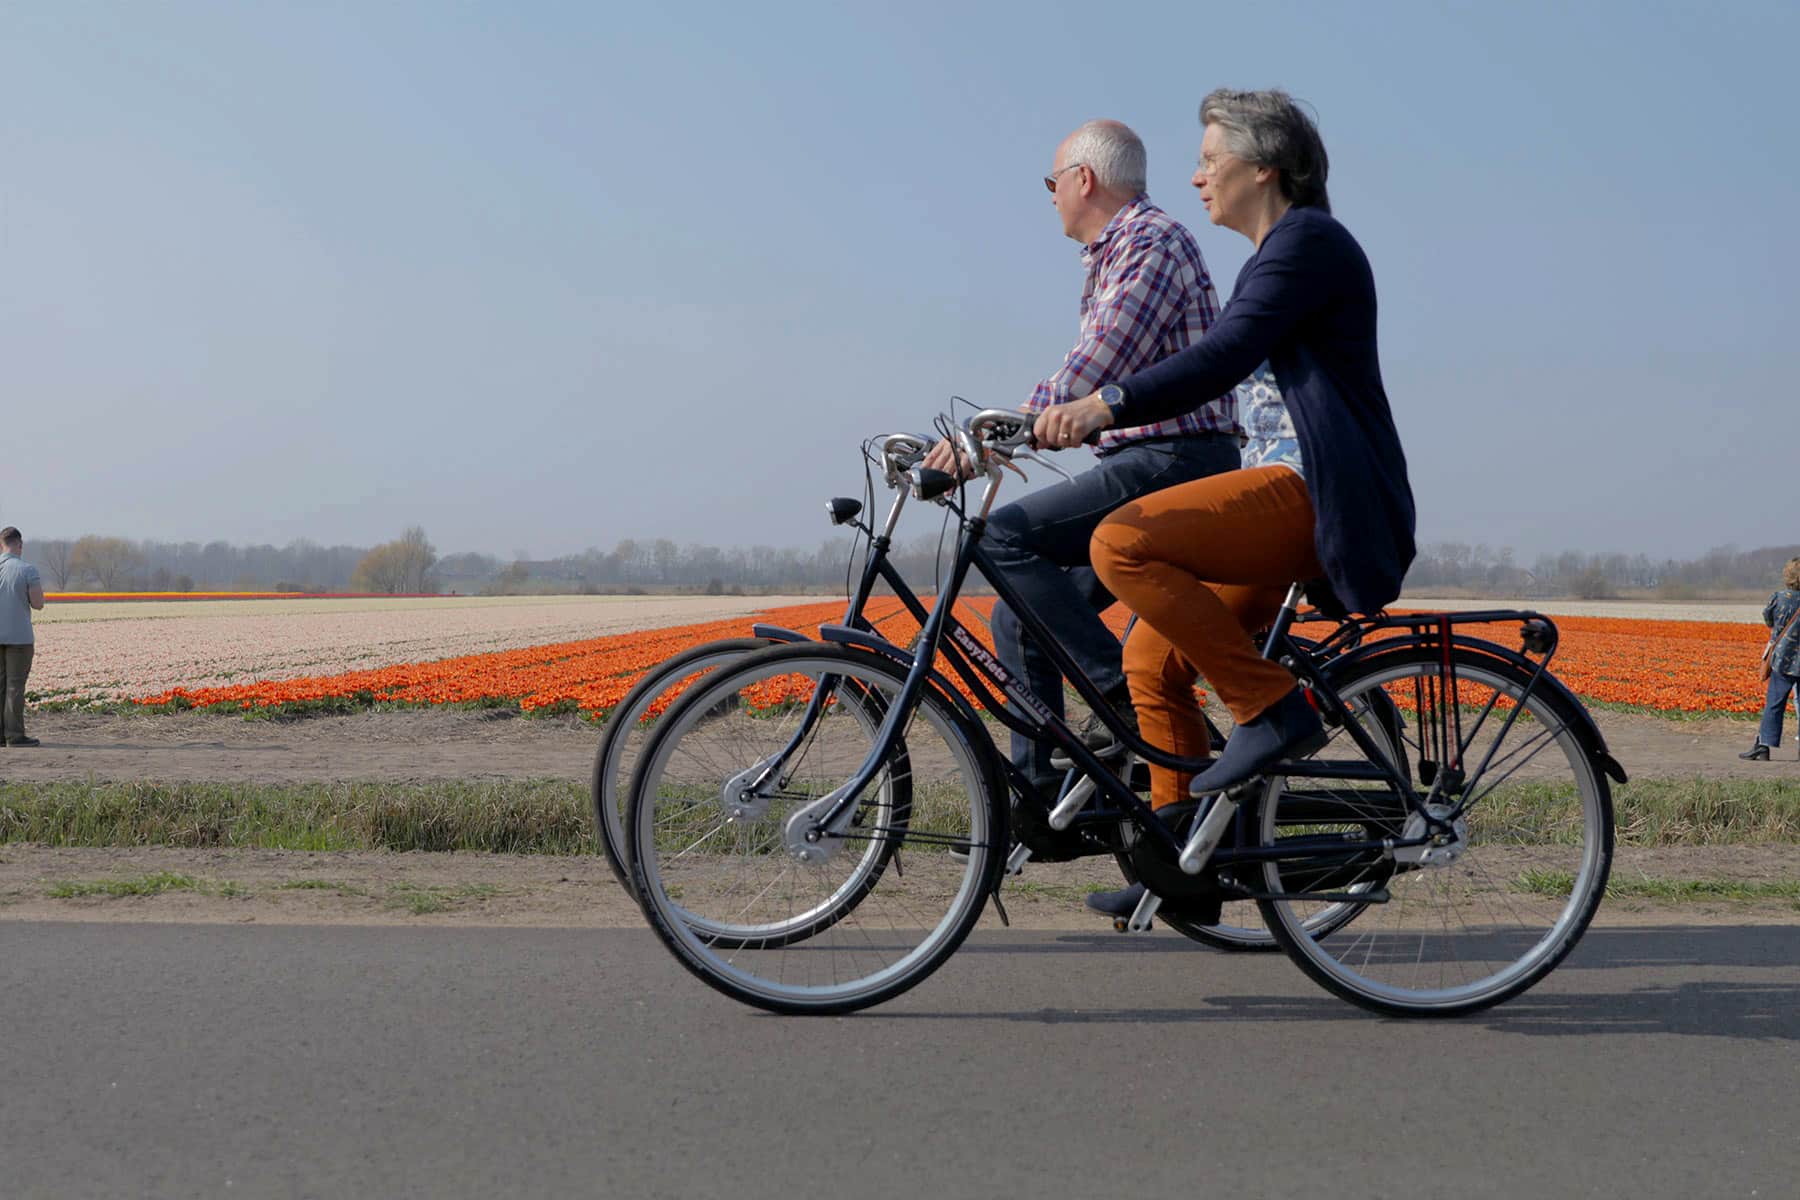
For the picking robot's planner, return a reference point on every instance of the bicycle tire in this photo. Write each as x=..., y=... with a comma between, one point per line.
x=1549, y=835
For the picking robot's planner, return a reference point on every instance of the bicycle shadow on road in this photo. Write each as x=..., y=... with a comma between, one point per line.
x=1749, y=1011
x=1707, y=1008
x=1758, y=1009
x=1615, y=946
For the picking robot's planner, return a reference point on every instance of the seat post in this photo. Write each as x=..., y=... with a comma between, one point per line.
x=1283, y=619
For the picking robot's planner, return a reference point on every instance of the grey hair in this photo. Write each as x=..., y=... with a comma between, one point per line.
x=1790, y=574
x=1112, y=152
x=1267, y=128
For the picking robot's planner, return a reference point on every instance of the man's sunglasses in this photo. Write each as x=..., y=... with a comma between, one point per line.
x=1050, y=179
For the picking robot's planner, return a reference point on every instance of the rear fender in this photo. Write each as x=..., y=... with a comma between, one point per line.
x=1581, y=722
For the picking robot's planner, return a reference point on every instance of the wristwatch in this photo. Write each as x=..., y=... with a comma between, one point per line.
x=1113, y=396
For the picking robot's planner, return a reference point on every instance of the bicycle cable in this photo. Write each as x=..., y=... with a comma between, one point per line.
x=864, y=529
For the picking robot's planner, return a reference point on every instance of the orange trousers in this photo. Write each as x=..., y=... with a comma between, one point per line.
x=1205, y=565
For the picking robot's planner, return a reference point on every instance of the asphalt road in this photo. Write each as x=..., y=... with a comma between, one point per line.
x=191, y=1060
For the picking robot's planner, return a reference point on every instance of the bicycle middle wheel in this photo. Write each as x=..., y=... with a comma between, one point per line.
x=1241, y=926
x=1474, y=922
x=625, y=736
x=829, y=926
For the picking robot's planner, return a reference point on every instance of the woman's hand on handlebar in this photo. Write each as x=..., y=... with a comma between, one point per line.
x=1063, y=425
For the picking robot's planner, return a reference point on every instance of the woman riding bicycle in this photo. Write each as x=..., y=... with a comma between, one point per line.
x=1323, y=489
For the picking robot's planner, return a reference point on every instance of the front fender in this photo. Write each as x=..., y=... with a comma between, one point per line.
x=843, y=635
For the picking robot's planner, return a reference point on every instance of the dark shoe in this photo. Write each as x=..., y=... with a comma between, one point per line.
x=1756, y=753
x=1121, y=903
x=31, y=741
x=1097, y=737
x=1289, y=728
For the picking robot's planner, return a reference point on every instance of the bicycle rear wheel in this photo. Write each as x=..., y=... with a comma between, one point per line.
x=626, y=734
x=1475, y=921
x=829, y=926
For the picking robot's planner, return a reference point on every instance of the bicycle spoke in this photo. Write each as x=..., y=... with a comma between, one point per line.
x=738, y=902
x=1517, y=865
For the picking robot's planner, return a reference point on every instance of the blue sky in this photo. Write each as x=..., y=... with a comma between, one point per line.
x=542, y=276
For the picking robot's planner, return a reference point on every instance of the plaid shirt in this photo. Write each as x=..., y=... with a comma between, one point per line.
x=1147, y=295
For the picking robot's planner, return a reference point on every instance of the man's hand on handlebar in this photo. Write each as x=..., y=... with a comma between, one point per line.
x=1064, y=425
x=943, y=456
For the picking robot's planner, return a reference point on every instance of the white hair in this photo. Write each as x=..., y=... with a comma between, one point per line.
x=1267, y=128
x=1112, y=152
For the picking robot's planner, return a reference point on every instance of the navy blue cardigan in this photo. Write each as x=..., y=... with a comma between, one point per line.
x=1305, y=302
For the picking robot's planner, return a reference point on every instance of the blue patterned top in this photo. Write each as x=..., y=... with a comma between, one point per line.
x=1776, y=614
x=1269, y=439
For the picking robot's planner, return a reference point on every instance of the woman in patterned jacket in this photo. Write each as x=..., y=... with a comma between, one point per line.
x=1784, y=660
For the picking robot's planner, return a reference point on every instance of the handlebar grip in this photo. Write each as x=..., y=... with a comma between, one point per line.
x=929, y=484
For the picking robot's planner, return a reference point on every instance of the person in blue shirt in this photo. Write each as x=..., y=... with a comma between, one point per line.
x=1782, y=615
x=21, y=592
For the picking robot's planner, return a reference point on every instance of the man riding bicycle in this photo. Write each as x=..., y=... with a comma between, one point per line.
x=1146, y=296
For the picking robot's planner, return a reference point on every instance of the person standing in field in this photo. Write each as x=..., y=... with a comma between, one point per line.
x=1147, y=295
x=21, y=591
x=1781, y=660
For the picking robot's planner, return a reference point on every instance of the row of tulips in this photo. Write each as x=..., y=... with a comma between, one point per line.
x=1664, y=666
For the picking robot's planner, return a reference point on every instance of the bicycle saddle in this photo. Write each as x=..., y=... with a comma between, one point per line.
x=1320, y=595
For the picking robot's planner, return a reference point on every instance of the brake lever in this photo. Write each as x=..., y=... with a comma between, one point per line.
x=1029, y=456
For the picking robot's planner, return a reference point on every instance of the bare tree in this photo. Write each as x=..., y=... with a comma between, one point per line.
x=108, y=561
x=399, y=566
x=53, y=553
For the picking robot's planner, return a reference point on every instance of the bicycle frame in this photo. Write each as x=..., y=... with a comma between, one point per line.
x=942, y=633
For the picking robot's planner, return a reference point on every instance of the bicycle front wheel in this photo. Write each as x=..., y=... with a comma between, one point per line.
x=1490, y=911
x=847, y=921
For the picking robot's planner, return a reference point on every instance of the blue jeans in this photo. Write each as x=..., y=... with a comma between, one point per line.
x=1040, y=545
x=1775, y=708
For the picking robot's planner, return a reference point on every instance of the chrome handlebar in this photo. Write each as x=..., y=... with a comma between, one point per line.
x=991, y=439
x=1004, y=430
x=900, y=453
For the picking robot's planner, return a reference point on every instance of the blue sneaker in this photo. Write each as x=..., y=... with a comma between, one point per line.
x=1289, y=728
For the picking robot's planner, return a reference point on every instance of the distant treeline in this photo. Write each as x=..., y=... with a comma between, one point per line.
x=1725, y=571
x=410, y=564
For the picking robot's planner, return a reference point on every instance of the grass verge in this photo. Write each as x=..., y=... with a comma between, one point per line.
x=505, y=816
x=554, y=816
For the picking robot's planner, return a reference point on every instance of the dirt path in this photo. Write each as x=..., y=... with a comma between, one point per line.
x=370, y=888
